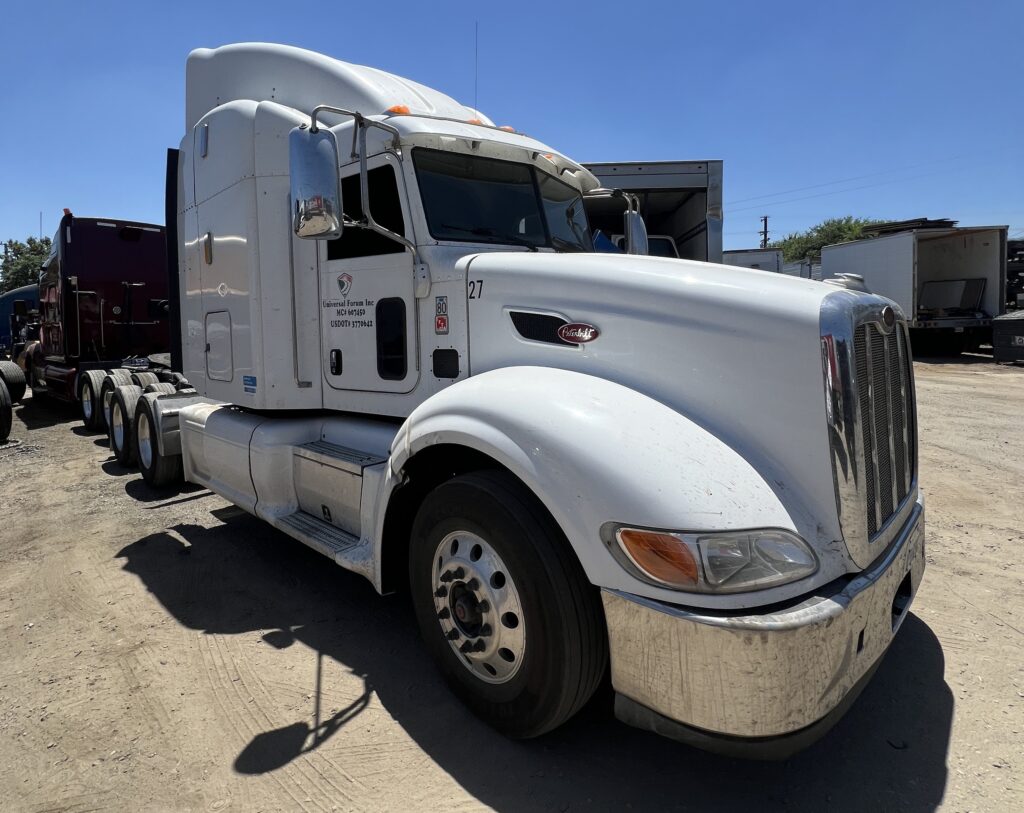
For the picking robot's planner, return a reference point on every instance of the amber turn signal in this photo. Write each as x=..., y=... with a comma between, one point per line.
x=661, y=556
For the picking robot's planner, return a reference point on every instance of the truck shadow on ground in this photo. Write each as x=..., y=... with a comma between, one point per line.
x=889, y=752
x=40, y=412
x=963, y=359
x=99, y=436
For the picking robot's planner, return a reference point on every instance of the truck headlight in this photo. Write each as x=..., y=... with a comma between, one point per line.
x=718, y=562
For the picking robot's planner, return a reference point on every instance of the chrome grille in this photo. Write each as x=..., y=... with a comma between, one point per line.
x=882, y=381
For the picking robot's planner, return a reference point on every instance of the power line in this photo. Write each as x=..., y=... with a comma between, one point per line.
x=860, y=177
x=833, y=192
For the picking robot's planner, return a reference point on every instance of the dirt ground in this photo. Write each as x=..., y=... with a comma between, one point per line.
x=166, y=651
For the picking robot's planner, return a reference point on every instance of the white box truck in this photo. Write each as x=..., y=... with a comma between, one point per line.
x=950, y=282
x=763, y=259
x=404, y=353
x=680, y=201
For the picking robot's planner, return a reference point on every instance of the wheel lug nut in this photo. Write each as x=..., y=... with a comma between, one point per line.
x=485, y=630
x=473, y=584
x=447, y=576
x=452, y=634
x=458, y=573
x=479, y=646
x=466, y=647
x=484, y=606
x=441, y=592
x=444, y=613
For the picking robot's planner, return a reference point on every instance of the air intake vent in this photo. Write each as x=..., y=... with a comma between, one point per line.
x=539, y=327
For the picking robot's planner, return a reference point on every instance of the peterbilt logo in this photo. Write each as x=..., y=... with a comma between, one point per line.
x=578, y=333
x=344, y=284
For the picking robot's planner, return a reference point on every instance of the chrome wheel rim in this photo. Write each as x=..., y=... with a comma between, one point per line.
x=87, y=401
x=117, y=426
x=478, y=607
x=145, y=442
x=108, y=398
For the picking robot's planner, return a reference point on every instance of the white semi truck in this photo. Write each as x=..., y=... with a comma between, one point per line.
x=406, y=355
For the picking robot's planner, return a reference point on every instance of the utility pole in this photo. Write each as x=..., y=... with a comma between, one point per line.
x=764, y=231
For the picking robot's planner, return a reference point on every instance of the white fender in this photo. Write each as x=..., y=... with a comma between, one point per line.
x=594, y=451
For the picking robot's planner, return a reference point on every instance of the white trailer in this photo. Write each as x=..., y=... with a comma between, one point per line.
x=407, y=356
x=950, y=282
x=763, y=259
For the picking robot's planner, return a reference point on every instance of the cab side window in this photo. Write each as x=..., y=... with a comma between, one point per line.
x=386, y=208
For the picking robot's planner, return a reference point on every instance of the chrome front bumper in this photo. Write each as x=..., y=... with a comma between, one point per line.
x=758, y=677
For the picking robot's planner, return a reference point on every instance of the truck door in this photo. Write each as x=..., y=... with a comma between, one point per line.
x=367, y=293
x=51, y=332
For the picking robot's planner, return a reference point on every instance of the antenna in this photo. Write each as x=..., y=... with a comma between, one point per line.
x=476, y=63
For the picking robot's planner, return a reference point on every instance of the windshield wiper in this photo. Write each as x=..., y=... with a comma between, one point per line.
x=566, y=245
x=481, y=231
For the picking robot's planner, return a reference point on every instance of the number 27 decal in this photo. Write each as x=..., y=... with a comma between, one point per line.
x=476, y=289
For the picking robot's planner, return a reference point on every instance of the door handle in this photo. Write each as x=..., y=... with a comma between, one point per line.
x=335, y=362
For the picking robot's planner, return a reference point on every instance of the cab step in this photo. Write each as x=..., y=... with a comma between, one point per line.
x=340, y=457
x=319, y=535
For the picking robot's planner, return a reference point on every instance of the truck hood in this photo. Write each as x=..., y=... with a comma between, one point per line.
x=737, y=351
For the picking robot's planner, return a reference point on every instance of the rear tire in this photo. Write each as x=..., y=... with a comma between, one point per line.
x=6, y=413
x=89, y=399
x=111, y=381
x=14, y=378
x=490, y=570
x=170, y=376
x=122, y=423
x=158, y=470
x=145, y=379
x=162, y=388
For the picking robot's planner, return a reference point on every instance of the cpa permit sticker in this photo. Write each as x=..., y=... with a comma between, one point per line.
x=249, y=383
x=441, y=315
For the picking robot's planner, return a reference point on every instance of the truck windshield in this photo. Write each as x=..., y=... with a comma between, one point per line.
x=485, y=200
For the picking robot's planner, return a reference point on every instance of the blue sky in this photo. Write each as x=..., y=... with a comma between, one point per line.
x=914, y=107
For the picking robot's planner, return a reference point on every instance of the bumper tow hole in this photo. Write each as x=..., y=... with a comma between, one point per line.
x=901, y=601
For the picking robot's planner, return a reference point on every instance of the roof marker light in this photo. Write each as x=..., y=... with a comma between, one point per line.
x=474, y=121
x=398, y=110
x=507, y=128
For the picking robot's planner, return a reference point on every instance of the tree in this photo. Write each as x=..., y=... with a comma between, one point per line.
x=21, y=262
x=808, y=244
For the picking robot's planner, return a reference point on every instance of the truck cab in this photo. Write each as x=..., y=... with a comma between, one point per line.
x=407, y=355
x=102, y=298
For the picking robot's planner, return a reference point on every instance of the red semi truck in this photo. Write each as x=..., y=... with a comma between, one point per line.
x=103, y=304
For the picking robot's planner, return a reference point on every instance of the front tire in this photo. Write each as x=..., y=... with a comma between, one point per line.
x=503, y=604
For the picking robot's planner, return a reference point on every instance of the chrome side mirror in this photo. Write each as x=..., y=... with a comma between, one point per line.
x=315, y=184
x=636, y=233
